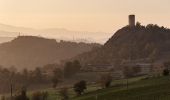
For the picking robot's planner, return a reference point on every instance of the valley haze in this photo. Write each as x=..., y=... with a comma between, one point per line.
x=53, y=33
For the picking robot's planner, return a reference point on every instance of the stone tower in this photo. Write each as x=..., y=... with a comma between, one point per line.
x=132, y=20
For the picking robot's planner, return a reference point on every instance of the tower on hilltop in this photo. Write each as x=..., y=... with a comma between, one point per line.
x=132, y=20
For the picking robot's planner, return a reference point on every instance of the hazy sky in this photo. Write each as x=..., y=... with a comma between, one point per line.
x=83, y=15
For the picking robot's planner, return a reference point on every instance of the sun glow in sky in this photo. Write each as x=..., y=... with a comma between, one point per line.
x=83, y=15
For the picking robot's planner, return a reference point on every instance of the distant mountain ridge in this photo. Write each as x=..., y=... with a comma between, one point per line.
x=139, y=42
x=5, y=39
x=30, y=51
x=56, y=33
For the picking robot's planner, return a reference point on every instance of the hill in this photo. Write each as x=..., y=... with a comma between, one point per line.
x=30, y=52
x=132, y=43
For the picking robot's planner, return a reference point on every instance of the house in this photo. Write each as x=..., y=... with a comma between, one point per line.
x=144, y=68
x=97, y=68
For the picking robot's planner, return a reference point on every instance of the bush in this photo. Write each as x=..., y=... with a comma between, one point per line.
x=71, y=68
x=2, y=97
x=21, y=96
x=105, y=80
x=40, y=96
x=64, y=93
x=80, y=87
x=165, y=72
x=57, y=77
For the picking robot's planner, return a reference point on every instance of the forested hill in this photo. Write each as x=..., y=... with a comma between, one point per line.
x=30, y=52
x=139, y=42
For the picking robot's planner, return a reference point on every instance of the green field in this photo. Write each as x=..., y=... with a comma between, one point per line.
x=145, y=89
x=91, y=89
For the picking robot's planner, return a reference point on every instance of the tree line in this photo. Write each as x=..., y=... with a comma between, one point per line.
x=36, y=77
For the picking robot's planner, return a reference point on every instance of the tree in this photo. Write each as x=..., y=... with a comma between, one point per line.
x=36, y=96
x=80, y=87
x=167, y=65
x=40, y=96
x=2, y=97
x=68, y=69
x=25, y=76
x=165, y=72
x=12, y=69
x=105, y=80
x=71, y=68
x=44, y=95
x=22, y=96
x=57, y=76
x=64, y=93
x=136, y=70
x=38, y=75
x=76, y=65
x=138, y=25
x=127, y=71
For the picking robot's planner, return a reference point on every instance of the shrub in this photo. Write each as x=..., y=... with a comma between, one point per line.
x=105, y=80
x=165, y=72
x=64, y=93
x=80, y=87
x=2, y=97
x=57, y=77
x=21, y=96
x=40, y=96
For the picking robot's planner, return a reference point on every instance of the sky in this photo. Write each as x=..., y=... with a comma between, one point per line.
x=83, y=15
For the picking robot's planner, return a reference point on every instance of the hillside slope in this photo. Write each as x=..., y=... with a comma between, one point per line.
x=140, y=42
x=30, y=52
